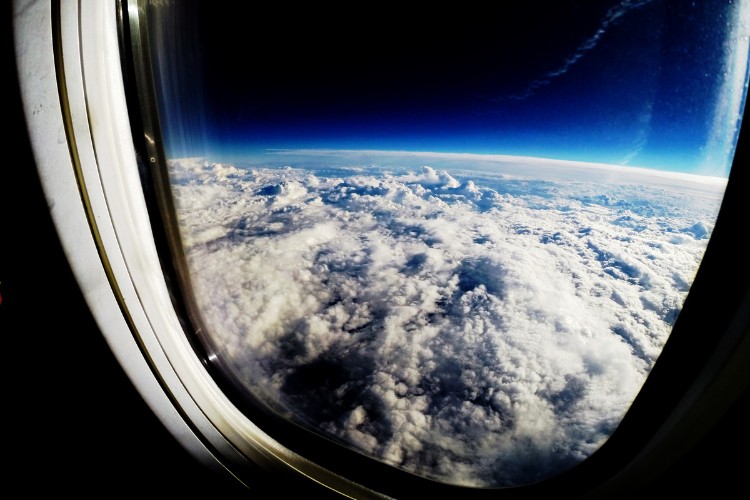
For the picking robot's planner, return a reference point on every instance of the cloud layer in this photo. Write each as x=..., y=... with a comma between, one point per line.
x=477, y=330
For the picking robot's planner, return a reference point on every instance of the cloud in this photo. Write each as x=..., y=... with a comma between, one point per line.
x=611, y=17
x=468, y=327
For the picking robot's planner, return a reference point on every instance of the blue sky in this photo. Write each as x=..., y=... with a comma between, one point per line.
x=647, y=83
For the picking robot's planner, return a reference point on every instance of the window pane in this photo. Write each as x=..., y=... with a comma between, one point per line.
x=458, y=251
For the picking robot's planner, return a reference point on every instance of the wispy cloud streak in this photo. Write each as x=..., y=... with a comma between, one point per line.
x=611, y=17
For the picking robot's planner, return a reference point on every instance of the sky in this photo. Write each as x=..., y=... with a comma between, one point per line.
x=649, y=83
x=475, y=328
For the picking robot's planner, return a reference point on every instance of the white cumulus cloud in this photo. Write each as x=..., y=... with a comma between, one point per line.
x=473, y=328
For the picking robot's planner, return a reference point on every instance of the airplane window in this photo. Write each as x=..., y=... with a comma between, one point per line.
x=456, y=251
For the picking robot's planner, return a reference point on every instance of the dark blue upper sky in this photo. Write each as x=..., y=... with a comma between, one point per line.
x=642, y=83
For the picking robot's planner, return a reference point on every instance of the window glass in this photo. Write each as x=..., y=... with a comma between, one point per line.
x=455, y=242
